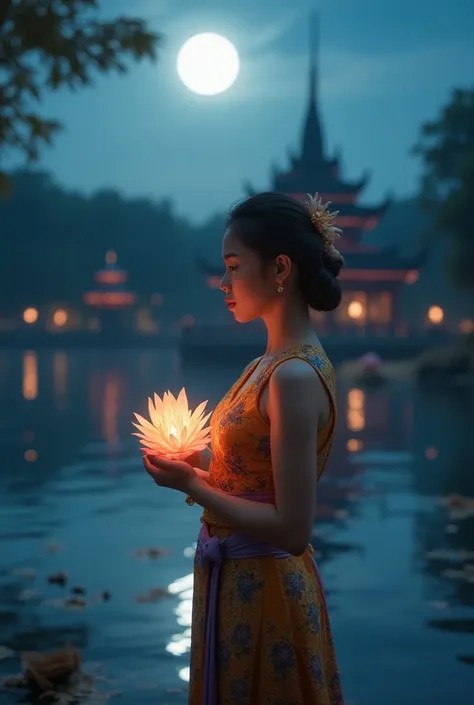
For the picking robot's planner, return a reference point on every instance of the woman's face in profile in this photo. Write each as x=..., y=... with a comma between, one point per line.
x=248, y=285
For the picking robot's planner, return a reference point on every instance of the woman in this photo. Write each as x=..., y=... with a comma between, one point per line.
x=260, y=631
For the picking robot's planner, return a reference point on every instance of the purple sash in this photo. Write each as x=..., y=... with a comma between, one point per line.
x=212, y=552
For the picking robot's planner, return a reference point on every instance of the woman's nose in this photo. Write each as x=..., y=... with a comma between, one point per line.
x=224, y=286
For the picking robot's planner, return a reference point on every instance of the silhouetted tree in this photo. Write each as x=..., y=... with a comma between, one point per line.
x=46, y=44
x=446, y=147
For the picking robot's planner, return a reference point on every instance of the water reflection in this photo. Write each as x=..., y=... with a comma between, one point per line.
x=396, y=558
x=30, y=375
x=60, y=372
x=356, y=410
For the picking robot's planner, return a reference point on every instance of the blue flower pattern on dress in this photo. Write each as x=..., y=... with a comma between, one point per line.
x=294, y=585
x=242, y=639
x=247, y=587
x=283, y=658
x=313, y=617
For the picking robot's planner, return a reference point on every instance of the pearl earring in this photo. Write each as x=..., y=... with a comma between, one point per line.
x=280, y=287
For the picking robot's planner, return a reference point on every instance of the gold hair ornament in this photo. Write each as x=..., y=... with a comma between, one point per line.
x=323, y=222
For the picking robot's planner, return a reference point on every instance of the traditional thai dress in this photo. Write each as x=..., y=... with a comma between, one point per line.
x=260, y=627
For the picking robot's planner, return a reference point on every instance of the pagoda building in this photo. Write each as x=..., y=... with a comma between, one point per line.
x=110, y=298
x=373, y=277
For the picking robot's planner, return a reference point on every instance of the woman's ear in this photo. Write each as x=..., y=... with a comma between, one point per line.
x=283, y=267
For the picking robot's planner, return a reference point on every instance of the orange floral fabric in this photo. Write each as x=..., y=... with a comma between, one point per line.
x=274, y=638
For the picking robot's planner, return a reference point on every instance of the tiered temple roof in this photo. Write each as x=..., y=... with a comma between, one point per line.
x=312, y=171
x=111, y=291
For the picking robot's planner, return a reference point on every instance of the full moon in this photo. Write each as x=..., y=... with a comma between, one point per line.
x=208, y=63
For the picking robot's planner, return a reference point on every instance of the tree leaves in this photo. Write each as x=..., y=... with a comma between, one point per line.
x=446, y=147
x=48, y=44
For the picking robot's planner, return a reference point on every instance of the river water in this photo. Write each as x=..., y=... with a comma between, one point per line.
x=398, y=565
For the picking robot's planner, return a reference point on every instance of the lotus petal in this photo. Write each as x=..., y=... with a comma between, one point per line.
x=174, y=431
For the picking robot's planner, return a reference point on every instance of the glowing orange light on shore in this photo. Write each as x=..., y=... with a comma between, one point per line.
x=31, y=455
x=60, y=317
x=355, y=309
x=435, y=314
x=30, y=315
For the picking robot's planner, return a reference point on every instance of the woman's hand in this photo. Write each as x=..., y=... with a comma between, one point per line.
x=175, y=474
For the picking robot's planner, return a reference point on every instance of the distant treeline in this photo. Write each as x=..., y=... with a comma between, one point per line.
x=53, y=240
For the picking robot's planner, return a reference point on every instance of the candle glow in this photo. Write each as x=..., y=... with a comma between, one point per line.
x=174, y=431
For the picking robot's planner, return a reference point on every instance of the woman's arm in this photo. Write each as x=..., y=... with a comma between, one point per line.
x=296, y=399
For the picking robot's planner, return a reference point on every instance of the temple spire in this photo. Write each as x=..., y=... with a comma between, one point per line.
x=312, y=146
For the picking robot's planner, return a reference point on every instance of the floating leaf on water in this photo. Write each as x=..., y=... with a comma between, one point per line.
x=57, y=579
x=75, y=603
x=469, y=660
x=150, y=553
x=458, y=507
x=153, y=595
x=78, y=590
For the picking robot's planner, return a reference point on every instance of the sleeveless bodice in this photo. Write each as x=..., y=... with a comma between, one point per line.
x=240, y=436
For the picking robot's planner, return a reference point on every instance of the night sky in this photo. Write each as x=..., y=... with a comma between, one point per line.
x=385, y=68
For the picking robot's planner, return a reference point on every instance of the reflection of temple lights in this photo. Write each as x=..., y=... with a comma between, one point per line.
x=60, y=317
x=354, y=445
x=110, y=408
x=355, y=309
x=31, y=455
x=435, y=315
x=30, y=315
x=30, y=375
x=431, y=453
x=356, y=410
x=466, y=326
x=59, y=373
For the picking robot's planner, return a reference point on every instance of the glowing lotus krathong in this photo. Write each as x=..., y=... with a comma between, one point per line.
x=174, y=431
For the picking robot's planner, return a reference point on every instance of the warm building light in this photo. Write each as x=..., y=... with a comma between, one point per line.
x=111, y=257
x=466, y=326
x=412, y=276
x=355, y=309
x=60, y=317
x=435, y=314
x=30, y=315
